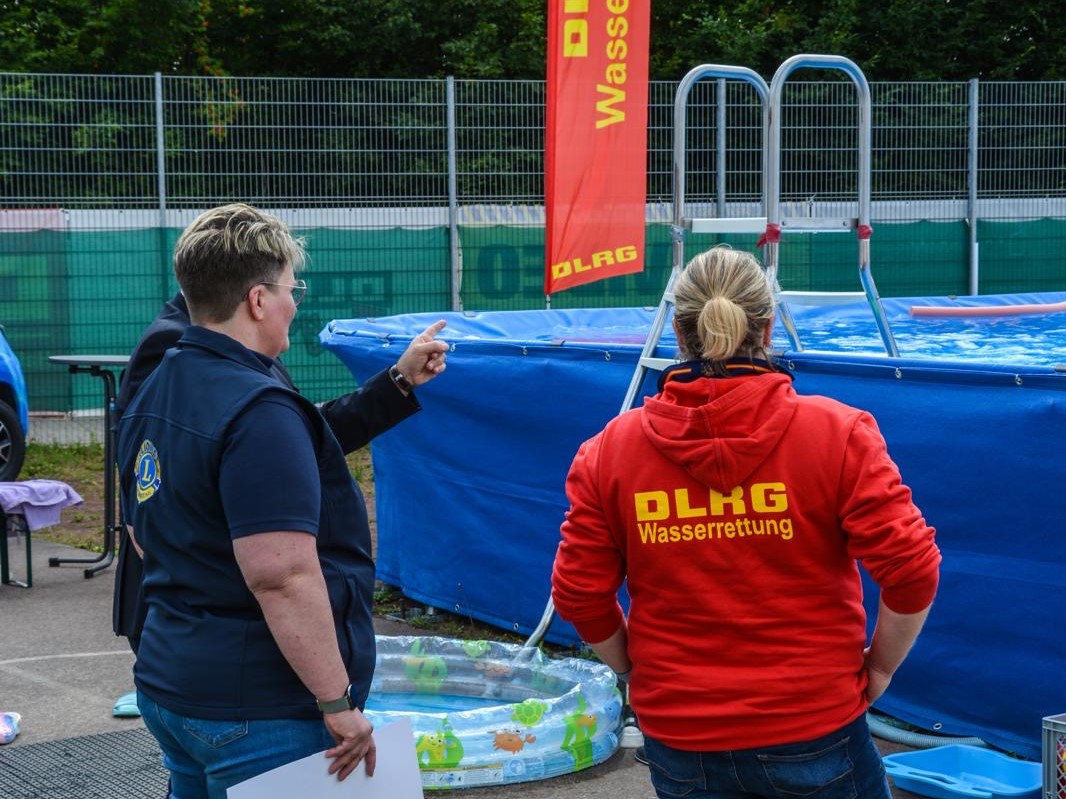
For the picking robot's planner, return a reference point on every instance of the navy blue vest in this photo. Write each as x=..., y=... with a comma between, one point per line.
x=206, y=651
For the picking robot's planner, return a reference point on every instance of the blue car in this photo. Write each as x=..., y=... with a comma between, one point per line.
x=14, y=413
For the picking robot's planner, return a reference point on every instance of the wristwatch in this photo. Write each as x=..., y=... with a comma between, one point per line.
x=400, y=380
x=338, y=705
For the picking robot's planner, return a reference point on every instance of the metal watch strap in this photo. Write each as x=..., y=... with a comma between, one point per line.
x=400, y=379
x=337, y=705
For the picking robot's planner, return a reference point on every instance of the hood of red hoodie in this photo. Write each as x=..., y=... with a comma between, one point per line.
x=720, y=429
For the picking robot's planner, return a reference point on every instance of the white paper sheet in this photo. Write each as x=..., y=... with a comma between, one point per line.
x=396, y=774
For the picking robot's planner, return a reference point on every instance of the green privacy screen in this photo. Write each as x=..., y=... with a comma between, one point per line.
x=93, y=292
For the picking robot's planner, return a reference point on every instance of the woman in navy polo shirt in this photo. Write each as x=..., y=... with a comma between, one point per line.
x=258, y=645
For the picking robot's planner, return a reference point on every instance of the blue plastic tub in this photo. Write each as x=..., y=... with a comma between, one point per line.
x=948, y=772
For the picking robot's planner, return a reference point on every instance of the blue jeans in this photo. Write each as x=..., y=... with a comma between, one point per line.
x=205, y=757
x=842, y=765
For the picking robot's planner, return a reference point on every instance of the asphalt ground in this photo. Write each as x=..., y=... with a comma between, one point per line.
x=62, y=669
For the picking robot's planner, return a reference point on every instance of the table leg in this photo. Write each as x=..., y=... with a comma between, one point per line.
x=5, y=554
x=105, y=558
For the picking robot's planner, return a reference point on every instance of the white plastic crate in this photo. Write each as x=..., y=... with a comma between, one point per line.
x=1054, y=757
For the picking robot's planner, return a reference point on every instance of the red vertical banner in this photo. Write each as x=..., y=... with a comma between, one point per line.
x=596, y=160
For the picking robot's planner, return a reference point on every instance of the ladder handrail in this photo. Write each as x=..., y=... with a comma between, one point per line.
x=684, y=88
x=772, y=185
x=772, y=164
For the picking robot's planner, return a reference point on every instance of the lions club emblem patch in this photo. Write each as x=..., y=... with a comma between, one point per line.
x=149, y=475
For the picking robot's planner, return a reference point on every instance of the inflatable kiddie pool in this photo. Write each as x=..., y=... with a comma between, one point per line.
x=486, y=712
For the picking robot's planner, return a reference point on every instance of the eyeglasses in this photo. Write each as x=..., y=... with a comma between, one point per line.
x=299, y=288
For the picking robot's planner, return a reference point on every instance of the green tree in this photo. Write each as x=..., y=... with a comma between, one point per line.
x=888, y=39
x=99, y=36
x=382, y=38
x=319, y=38
x=40, y=37
x=959, y=40
x=748, y=33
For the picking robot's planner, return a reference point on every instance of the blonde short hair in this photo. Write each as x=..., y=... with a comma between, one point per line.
x=226, y=251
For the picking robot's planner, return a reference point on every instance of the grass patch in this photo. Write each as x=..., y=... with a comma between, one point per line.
x=63, y=462
x=81, y=466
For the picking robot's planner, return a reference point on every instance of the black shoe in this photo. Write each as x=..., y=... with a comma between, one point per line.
x=640, y=756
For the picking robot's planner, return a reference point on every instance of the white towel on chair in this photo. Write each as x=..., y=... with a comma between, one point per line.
x=39, y=501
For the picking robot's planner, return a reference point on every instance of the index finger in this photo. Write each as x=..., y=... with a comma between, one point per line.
x=430, y=332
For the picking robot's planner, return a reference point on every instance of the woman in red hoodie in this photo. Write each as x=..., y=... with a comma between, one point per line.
x=737, y=510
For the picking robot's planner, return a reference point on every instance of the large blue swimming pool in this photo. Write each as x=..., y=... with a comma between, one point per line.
x=974, y=413
x=1033, y=339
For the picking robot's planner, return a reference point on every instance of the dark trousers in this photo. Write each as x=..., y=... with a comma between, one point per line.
x=842, y=765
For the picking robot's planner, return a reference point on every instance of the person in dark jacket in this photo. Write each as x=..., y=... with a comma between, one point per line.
x=258, y=643
x=382, y=402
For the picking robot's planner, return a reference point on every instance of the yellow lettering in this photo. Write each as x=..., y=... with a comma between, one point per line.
x=575, y=38
x=617, y=50
x=684, y=510
x=602, y=258
x=620, y=255
x=651, y=505
x=735, y=499
x=786, y=529
x=617, y=28
x=615, y=72
x=606, y=106
x=678, y=505
x=769, y=498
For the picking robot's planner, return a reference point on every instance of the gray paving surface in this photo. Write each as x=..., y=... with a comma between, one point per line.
x=62, y=668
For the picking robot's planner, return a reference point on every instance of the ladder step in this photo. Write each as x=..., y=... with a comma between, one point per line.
x=812, y=224
x=820, y=297
x=658, y=364
x=745, y=224
x=757, y=224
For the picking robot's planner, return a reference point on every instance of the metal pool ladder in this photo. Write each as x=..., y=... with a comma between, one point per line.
x=770, y=225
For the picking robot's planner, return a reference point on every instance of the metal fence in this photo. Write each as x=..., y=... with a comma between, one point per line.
x=138, y=142
x=427, y=195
